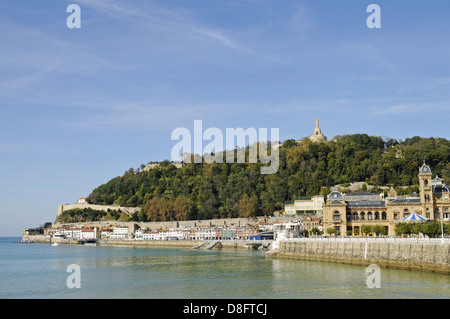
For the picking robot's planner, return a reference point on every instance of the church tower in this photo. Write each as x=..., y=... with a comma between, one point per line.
x=317, y=136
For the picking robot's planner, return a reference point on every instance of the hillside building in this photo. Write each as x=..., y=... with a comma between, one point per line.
x=307, y=205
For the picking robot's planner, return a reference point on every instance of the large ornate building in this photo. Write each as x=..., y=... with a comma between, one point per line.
x=348, y=213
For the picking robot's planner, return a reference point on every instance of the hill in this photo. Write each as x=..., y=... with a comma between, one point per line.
x=206, y=191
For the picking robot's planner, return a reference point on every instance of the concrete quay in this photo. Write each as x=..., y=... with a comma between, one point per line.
x=225, y=244
x=430, y=256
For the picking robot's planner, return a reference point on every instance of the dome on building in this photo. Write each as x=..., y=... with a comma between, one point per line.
x=424, y=169
x=438, y=180
x=439, y=186
x=335, y=195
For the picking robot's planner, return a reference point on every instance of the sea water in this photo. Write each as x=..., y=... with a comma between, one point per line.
x=41, y=271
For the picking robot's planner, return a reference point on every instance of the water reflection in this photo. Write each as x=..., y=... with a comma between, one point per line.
x=310, y=279
x=125, y=272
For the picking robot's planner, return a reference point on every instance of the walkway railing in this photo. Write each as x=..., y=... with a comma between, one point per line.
x=370, y=239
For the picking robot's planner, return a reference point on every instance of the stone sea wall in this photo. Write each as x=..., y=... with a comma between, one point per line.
x=41, y=239
x=170, y=243
x=432, y=257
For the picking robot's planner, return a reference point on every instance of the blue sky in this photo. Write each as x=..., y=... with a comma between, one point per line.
x=81, y=106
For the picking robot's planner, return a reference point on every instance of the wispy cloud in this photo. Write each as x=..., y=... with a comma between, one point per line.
x=156, y=17
x=411, y=108
x=424, y=85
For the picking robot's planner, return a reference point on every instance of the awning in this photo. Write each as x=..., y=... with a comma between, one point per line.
x=414, y=217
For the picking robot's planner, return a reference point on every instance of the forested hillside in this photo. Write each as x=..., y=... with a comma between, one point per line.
x=204, y=191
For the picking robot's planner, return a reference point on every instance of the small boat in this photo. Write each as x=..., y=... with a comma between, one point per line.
x=55, y=244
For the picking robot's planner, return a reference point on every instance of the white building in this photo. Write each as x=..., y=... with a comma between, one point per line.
x=314, y=205
x=287, y=230
x=206, y=233
x=138, y=234
x=78, y=232
x=164, y=234
x=119, y=233
x=154, y=235
x=106, y=232
x=265, y=226
x=88, y=233
x=175, y=233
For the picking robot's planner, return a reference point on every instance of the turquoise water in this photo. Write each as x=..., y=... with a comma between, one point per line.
x=40, y=271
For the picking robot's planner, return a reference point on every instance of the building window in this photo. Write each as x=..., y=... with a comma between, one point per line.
x=369, y=216
x=355, y=216
x=363, y=215
x=446, y=213
x=383, y=215
x=395, y=216
x=377, y=215
x=437, y=214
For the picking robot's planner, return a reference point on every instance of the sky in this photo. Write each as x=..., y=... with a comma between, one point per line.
x=80, y=106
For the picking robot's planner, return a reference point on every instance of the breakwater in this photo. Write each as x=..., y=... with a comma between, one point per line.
x=422, y=256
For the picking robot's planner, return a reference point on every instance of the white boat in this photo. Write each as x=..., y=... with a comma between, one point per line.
x=55, y=244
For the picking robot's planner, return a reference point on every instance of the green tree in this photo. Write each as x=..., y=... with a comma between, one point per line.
x=248, y=205
x=379, y=230
x=183, y=208
x=402, y=229
x=305, y=169
x=367, y=229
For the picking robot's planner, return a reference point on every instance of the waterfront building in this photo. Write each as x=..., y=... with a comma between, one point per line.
x=309, y=223
x=119, y=233
x=246, y=232
x=203, y=233
x=347, y=214
x=286, y=230
x=88, y=233
x=174, y=233
x=106, y=232
x=153, y=235
x=74, y=232
x=265, y=226
x=138, y=234
x=228, y=233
